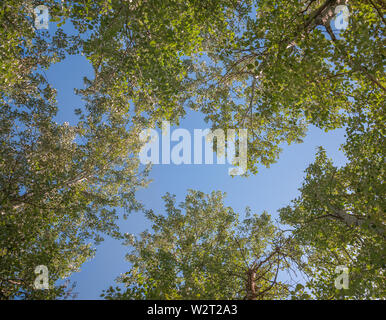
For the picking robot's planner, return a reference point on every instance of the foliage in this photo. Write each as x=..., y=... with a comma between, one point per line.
x=273, y=67
x=203, y=250
x=60, y=185
x=286, y=68
x=340, y=216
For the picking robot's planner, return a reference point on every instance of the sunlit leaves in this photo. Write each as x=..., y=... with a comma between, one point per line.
x=202, y=250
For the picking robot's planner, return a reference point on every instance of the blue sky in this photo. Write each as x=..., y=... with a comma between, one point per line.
x=269, y=190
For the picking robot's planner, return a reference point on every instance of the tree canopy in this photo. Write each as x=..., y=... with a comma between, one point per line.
x=272, y=67
x=339, y=217
x=202, y=250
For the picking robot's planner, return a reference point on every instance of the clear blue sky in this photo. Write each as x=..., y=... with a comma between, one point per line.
x=269, y=190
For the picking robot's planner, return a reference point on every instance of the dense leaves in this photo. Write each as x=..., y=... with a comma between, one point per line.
x=273, y=67
x=340, y=216
x=288, y=68
x=60, y=185
x=203, y=250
